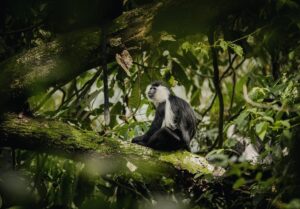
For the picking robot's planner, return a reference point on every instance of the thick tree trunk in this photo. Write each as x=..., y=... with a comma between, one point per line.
x=56, y=137
x=68, y=55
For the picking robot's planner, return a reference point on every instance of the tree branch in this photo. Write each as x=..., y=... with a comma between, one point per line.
x=69, y=55
x=56, y=137
x=216, y=81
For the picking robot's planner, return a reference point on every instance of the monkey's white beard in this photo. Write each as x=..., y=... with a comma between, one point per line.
x=161, y=95
x=169, y=116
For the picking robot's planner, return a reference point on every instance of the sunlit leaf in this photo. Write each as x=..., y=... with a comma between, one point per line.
x=261, y=129
x=186, y=46
x=164, y=36
x=268, y=118
x=257, y=94
x=240, y=182
x=238, y=50
x=135, y=96
x=241, y=119
x=223, y=44
x=284, y=123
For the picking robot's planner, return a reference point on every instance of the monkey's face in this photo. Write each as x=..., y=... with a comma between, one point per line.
x=151, y=92
x=158, y=93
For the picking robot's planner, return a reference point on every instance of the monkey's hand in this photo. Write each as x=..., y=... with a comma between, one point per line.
x=138, y=140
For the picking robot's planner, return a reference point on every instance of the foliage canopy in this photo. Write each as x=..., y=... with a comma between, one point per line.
x=236, y=62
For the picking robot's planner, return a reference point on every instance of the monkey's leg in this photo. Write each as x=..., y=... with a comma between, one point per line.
x=166, y=139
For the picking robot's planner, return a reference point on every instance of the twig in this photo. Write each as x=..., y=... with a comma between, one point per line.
x=63, y=97
x=265, y=105
x=208, y=108
x=232, y=69
x=246, y=36
x=216, y=81
x=144, y=66
x=79, y=93
x=229, y=67
x=204, y=75
x=105, y=74
x=235, y=115
x=233, y=90
x=127, y=187
x=22, y=29
x=47, y=97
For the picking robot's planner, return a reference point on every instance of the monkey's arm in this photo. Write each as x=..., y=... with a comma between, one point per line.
x=184, y=118
x=155, y=126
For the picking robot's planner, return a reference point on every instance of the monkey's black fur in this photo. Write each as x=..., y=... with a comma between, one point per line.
x=162, y=137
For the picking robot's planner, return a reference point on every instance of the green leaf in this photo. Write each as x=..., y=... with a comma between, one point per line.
x=186, y=46
x=231, y=142
x=238, y=50
x=223, y=44
x=172, y=81
x=258, y=176
x=257, y=94
x=195, y=99
x=203, y=49
x=145, y=81
x=242, y=119
x=261, y=129
x=99, y=83
x=135, y=96
x=115, y=112
x=179, y=74
x=188, y=59
x=294, y=204
x=240, y=182
x=164, y=36
x=268, y=118
x=198, y=175
x=283, y=123
x=287, y=134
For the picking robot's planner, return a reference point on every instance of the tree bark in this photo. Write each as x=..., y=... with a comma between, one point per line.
x=70, y=54
x=217, y=85
x=59, y=138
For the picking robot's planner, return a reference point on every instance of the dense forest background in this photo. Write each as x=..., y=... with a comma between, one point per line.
x=73, y=76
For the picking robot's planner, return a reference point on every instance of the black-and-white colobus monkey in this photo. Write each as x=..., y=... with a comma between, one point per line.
x=174, y=124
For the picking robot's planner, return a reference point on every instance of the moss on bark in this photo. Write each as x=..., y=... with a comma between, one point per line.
x=56, y=137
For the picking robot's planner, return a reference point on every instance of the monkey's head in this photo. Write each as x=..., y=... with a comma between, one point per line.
x=158, y=92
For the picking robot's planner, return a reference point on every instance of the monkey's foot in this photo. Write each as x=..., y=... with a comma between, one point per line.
x=138, y=140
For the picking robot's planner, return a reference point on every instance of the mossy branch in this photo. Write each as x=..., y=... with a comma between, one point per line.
x=56, y=137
